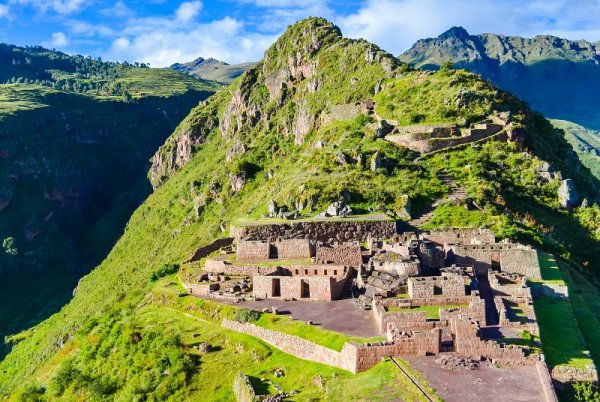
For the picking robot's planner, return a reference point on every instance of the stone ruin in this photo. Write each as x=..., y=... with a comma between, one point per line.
x=398, y=277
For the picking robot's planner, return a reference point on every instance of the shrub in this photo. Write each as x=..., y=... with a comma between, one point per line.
x=164, y=270
x=245, y=315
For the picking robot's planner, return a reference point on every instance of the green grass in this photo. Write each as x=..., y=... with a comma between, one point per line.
x=562, y=342
x=330, y=339
x=210, y=375
x=433, y=312
x=166, y=228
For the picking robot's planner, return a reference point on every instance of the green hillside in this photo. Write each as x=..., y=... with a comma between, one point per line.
x=75, y=138
x=556, y=76
x=585, y=142
x=123, y=337
x=213, y=70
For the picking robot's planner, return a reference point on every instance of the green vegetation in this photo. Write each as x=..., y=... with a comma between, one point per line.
x=433, y=312
x=164, y=270
x=329, y=339
x=73, y=159
x=194, y=203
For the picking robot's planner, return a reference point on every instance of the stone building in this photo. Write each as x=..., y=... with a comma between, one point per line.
x=310, y=282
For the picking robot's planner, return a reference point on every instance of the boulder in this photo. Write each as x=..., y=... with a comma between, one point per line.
x=237, y=181
x=273, y=209
x=545, y=171
x=384, y=129
x=376, y=161
x=568, y=195
x=338, y=208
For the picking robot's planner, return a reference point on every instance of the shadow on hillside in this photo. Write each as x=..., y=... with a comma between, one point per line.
x=95, y=158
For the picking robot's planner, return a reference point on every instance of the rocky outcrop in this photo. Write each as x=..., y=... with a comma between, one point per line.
x=568, y=195
x=178, y=149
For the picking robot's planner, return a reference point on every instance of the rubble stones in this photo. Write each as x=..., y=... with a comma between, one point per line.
x=458, y=362
x=338, y=208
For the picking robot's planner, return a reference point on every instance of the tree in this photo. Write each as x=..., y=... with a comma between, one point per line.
x=8, y=245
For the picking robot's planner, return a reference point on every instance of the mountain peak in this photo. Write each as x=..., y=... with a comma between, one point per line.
x=455, y=32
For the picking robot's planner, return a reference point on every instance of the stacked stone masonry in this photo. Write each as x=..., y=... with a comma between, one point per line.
x=462, y=236
x=509, y=257
x=323, y=231
x=345, y=254
x=353, y=357
x=210, y=248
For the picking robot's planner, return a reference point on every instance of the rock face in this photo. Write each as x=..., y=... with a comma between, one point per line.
x=286, y=87
x=237, y=181
x=376, y=161
x=568, y=195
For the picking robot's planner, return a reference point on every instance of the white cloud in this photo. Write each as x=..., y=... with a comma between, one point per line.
x=4, y=11
x=188, y=11
x=120, y=10
x=58, y=40
x=224, y=39
x=58, y=6
x=396, y=24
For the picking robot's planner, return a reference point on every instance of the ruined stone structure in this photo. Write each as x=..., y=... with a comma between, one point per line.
x=464, y=236
x=430, y=138
x=345, y=254
x=507, y=257
x=280, y=249
x=313, y=282
x=323, y=231
x=210, y=248
x=446, y=287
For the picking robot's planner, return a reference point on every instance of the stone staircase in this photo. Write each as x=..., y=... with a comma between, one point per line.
x=457, y=194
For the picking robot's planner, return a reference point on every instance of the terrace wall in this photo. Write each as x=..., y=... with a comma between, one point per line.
x=462, y=236
x=210, y=248
x=324, y=231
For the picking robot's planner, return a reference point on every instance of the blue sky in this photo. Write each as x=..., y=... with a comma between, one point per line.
x=163, y=32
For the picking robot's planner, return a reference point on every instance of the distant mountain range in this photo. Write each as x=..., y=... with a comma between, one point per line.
x=558, y=77
x=212, y=69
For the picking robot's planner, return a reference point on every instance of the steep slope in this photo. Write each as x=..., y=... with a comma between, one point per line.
x=556, y=76
x=75, y=138
x=212, y=69
x=296, y=129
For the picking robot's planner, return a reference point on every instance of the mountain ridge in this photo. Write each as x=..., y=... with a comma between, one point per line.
x=301, y=128
x=212, y=69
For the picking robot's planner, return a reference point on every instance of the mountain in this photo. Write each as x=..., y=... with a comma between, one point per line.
x=303, y=127
x=75, y=137
x=213, y=70
x=558, y=77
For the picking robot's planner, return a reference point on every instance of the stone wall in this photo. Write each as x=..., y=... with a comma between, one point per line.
x=463, y=236
x=446, y=286
x=512, y=258
x=344, y=254
x=353, y=357
x=293, y=249
x=430, y=141
x=242, y=389
x=301, y=286
x=253, y=250
x=221, y=267
x=415, y=343
x=468, y=343
x=210, y=248
x=324, y=231
x=201, y=289
x=568, y=375
x=294, y=345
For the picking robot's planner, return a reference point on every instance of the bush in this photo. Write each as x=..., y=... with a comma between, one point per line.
x=586, y=391
x=32, y=393
x=244, y=315
x=164, y=270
